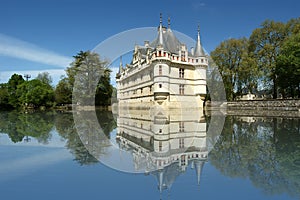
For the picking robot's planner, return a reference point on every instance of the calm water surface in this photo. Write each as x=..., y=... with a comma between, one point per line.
x=44, y=157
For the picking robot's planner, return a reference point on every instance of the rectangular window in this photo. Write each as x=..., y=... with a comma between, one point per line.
x=181, y=89
x=160, y=70
x=181, y=126
x=181, y=143
x=159, y=146
x=181, y=73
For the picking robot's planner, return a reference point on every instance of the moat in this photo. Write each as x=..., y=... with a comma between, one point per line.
x=55, y=155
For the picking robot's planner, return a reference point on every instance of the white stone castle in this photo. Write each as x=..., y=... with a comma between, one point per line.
x=164, y=72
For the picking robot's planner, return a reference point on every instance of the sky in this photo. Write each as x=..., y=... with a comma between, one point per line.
x=44, y=35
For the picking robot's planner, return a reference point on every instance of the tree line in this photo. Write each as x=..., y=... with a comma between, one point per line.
x=266, y=63
x=38, y=92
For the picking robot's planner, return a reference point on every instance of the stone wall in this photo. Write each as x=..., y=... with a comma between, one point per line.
x=281, y=105
x=279, y=108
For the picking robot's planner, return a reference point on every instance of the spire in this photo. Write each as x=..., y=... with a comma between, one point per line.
x=160, y=31
x=198, y=167
x=198, y=49
x=169, y=23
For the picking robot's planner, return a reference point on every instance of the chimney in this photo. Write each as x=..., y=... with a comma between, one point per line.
x=146, y=43
x=192, y=51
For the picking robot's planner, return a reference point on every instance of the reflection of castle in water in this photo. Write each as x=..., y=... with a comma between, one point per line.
x=164, y=142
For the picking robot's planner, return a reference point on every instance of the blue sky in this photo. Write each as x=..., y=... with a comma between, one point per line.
x=43, y=35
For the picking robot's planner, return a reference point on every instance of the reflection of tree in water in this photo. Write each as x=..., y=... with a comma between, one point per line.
x=106, y=121
x=18, y=125
x=266, y=152
x=39, y=125
x=65, y=126
x=94, y=132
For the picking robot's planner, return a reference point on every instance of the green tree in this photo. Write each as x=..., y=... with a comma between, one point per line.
x=104, y=90
x=86, y=69
x=265, y=43
x=45, y=78
x=288, y=67
x=4, y=96
x=35, y=93
x=12, y=85
x=293, y=26
x=237, y=69
x=63, y=92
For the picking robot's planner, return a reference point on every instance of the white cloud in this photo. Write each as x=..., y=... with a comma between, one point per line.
x=20, y=49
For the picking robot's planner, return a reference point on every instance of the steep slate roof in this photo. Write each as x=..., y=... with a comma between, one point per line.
x=169, y=42
x=167, y=39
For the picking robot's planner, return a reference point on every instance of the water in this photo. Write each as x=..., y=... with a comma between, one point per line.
x=45, y=155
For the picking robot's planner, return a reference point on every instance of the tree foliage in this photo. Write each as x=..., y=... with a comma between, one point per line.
x=267, y=61
x=45, y=77
x=235, y=66
x=4, y=96
x=265, y=43
x=12, y=86
x=35, y=93
x=83, y=74
x=288, y=67
x=63, y=92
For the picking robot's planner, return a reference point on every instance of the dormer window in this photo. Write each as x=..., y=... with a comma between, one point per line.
x=183, y=56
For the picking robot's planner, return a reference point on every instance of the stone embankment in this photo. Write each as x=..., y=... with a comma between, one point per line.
x=280, y=108
x=280, y=105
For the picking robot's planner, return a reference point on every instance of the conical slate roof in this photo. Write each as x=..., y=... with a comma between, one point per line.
x=199, y=49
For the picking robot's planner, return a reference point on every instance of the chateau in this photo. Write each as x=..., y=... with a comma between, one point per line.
x=164, y=72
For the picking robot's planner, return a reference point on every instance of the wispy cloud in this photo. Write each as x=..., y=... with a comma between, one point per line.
x=198, y=5
x=13, y=47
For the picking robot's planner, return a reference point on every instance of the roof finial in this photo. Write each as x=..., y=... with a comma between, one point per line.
x=198, y=38
x=169, y=22
x=160, y=19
